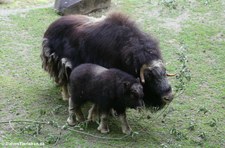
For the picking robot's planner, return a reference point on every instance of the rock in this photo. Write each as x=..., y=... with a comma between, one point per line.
x=64, y=7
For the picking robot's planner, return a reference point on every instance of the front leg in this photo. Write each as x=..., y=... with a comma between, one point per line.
x=125, y=126
x=103, y=126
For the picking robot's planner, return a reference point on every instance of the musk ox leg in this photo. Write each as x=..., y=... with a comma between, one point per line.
x=103, y=126
x=74, y=112
x=79, y=114
x=93, y=113
x=71, y=118
x=113, y=113
x=125, y=126
x=65, y=93
x=64, y=72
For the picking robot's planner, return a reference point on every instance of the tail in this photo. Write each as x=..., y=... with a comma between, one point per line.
x=58, y=68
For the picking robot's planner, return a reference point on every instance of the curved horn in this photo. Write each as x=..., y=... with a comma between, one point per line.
x=170, y=75
x=145, y=66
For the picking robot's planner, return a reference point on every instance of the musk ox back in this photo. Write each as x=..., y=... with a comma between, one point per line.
x=112, y=42
x=108, y=89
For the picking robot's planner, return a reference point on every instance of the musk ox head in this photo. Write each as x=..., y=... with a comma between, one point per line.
x=134, y=95
x=157, y=89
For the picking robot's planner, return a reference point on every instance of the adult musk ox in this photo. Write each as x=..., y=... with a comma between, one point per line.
x=114, y=41
x=108, y=89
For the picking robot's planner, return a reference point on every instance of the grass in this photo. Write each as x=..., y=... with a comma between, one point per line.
x=15, y=4
x=194, y=119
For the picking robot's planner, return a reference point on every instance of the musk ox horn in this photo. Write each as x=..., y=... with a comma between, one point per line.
x=145, y=66
x=170, y=75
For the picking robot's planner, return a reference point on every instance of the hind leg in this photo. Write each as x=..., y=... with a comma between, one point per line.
x=93, y=113
x=64, y=74
x=65, y=92
x=103, y=126
x=74, y=112
x=79, y=114
x=71, y=118
x=125, y=126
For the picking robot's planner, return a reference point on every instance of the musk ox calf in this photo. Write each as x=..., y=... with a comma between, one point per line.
x=112, y=42
x=108, y=89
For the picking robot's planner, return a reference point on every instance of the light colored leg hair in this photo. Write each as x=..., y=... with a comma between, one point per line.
x=71, y=118
x=125, y=126
x=79, y=114
x=103, y=126
x=113, y=113
x=74, y=111
x=65, y=92
x=93, y=113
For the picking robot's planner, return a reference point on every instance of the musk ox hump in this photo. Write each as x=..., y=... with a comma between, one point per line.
x=98, y=70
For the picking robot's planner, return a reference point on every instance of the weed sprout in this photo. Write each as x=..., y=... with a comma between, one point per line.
x=184, y=75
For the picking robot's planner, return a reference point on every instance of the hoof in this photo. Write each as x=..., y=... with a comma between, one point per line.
x=127, y=131
x=71, y=121
x=103, y=130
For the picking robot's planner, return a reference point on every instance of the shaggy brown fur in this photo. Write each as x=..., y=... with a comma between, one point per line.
x=113, y=42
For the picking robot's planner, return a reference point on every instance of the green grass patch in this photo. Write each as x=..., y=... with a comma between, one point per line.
x=14, y=4
x=194, y=119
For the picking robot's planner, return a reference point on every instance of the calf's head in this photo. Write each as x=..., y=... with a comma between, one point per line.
x=134, y=95
x=157, y=89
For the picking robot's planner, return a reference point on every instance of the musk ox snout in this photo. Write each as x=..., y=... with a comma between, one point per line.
x=168, y=97
x=164, y=90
